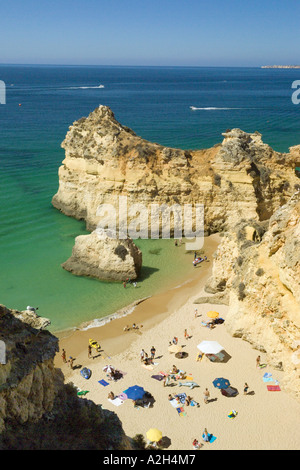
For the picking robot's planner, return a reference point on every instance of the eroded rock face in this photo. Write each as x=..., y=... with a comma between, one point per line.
x=242, y=177
x=27, y=378
x=105, y=257
x=261, y=275
x=36, y=404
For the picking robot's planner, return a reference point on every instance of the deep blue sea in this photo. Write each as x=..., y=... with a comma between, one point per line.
x=43, y=101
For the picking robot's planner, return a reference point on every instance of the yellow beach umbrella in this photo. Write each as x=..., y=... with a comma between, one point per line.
x=212, y=314
x=175, y=348
x=154, y=435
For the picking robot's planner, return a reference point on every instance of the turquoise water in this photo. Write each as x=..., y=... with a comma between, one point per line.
x=155, y=102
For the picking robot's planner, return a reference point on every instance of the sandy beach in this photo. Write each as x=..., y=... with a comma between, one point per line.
x=265, y=419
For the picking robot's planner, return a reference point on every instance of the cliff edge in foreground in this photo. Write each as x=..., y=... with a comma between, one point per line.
x=37, y=410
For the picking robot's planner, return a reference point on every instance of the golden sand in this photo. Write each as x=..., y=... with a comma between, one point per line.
x=265, y=420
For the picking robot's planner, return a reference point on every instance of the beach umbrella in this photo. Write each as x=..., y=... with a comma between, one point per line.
x=135, y=392
x=210, y=347
x=154, y=435
x=175, y=348
x=212, y=314
x=221, y=383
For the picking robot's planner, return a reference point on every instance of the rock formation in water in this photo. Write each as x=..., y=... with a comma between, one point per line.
x=246, y=189
x=106, y=257
x=242, y=177
x=257, y=267
x=37, y=410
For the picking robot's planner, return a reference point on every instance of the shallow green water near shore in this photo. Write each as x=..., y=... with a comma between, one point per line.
x=156, y=103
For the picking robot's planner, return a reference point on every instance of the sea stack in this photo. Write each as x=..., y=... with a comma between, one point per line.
x=104, y=257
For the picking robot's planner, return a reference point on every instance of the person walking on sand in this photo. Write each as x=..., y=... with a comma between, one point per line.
x=63, y=356
x=152, y=352
x=196, y=312
x=70, y=361
x=186, y=335
x=205, y=435
x=246, y=388
x=206, y=395
x=258, y=361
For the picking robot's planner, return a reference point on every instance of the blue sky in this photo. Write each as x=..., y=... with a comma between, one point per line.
x=153, y=32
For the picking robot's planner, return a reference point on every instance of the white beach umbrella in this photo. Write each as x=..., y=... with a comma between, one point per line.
x=210, y=347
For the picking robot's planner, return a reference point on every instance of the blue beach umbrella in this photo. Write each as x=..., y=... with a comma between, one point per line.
x=135, y=392
x=221, y=383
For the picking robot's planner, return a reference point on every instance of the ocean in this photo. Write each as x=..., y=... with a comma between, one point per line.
x=182, y=107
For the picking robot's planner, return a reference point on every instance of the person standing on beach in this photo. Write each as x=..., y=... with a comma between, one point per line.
x=196, y=312
x=206, y=395
x=90, y=352
x=142, y=354
x=70, y=361
x=152, y=352
x=186, y=335
x=258, y=361
x=246, y=388
x=63, y=356
x=205, y=435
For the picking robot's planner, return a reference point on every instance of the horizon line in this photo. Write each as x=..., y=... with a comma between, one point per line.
x=128, y=65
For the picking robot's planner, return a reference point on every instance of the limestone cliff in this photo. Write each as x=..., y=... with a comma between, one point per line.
x=242, y=177
x=257, y=265
x=37, y=410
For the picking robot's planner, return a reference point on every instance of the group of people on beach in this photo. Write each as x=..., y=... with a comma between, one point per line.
x=133, y=327
x=145, y=358
x=70, y=361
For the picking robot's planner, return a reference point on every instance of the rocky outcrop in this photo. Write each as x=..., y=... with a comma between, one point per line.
x=37, y=410
x=258, y=266
x=106, y=257
x=242, y=177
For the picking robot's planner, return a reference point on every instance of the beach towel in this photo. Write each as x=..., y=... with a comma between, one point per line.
x=267, y=374
x=103, y=382
x=163, y=373
x=157, y=377
x=194, y=403
x=181, y=411
x=122, y=396
x=267, y=379
x=148, y=367
x=273, y=388
x=116, y=401
x=174, y=403
x=211, y=438
x=232, y=414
